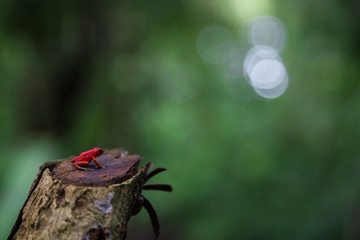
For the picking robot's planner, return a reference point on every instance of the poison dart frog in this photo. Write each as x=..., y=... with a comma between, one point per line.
x=86, y=157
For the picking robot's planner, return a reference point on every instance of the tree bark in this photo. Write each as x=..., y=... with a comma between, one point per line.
x=67, y=203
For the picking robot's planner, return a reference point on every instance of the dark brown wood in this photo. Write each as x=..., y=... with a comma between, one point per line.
x=153, y=173
x=160, y=187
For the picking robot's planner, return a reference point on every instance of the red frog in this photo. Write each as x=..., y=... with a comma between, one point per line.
x=86, y=157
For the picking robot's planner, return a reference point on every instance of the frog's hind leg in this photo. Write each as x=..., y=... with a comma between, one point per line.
x=82, y=163
x=74, y=159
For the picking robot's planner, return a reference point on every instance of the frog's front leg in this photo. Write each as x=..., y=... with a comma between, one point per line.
x=97, y=164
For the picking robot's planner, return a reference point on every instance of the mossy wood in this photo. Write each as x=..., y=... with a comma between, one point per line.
x=66, y=203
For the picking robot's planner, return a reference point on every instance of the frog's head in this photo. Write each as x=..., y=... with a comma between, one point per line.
x=98, y=151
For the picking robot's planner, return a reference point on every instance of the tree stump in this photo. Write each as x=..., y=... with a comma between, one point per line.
x=67, y=203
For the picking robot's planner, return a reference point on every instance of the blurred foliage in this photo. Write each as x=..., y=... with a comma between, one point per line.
x=79, y=74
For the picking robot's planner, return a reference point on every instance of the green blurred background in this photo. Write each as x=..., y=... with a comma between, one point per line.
x=80, y=74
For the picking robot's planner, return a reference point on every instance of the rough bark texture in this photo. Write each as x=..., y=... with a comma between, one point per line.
x=66, y=203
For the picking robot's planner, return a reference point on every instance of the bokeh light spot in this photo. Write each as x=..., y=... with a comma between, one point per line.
x=267, y=74
x=257, y=54
x=268, y=31
x=274, y=92
x=262, y=65
x=265, y=71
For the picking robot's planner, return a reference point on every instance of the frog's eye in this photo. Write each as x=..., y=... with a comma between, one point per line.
x=101, y=151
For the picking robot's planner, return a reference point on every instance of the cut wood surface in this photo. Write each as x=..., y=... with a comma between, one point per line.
x=118, y=167
x=67, y=203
